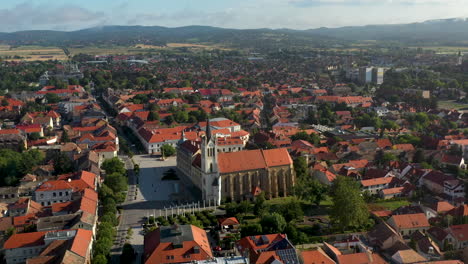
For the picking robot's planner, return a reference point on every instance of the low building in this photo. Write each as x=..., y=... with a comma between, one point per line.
x=458, y=236
x=64, y=246
x=176, y=244
x=406, y=224
x=228, y=227
x=266, y=249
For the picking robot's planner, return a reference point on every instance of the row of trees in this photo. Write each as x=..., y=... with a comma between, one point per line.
x=111, y=193
x=14, y=165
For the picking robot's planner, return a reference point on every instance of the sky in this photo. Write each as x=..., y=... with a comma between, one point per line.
x=16, y=15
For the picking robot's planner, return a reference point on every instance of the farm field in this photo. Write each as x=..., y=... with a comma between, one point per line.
x=31, y=53
x=450, y=104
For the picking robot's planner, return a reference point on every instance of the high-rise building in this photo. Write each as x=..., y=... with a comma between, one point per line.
x=365, y=75
x=460, y=58
x=378, y=75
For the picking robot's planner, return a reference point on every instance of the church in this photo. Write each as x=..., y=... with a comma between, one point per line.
x=224, y=174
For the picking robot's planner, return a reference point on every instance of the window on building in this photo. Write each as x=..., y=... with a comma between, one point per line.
x=60, y=193
x=54, y=194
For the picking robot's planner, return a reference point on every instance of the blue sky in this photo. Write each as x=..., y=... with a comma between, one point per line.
x=297, y=14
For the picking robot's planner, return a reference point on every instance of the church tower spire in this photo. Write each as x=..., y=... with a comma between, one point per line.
x=208, y=130
x=209, y=153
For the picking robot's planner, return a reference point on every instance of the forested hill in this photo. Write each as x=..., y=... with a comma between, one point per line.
x=446, y=32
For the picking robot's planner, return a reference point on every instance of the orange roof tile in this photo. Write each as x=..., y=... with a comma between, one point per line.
x=25, y=240
x=316, y=257
x=410, y=220
x=81, y=242
x=377, y=181
x=252, y=160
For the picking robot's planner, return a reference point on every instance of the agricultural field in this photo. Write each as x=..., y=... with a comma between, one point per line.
x=139, y=49
x=446, y=49
x=450, y=104
x=31, y=53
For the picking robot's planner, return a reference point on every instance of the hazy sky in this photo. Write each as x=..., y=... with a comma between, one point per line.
x=298, y=14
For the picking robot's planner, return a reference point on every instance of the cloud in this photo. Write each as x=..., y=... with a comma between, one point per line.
x=311, y=3
x=26, y=16
x=185, y=17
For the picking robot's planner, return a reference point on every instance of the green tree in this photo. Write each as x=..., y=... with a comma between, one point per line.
x=167, y=150
x=244, y=207
x=251, y=229
x=116, y=181
x=65, y=137
x=301, y=168
x=310, y=189
x=34, y=136
x=99, y=259
x=153, y=116
x=273, y=223
x=292, y=211
x=114, y=165
x=62, y=164
x=52, y=98
x=105, y=191
x=260, y=206
x=349, y=208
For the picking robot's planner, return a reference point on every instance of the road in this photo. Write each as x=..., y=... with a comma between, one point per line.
x=147, y=195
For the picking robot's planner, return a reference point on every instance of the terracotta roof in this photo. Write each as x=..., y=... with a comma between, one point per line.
x=252, y=160
x=460, y=232
x=442, y=206
x=361, y=258
x=176, y=244
x=409, y=256
x=405, y=147
x=81, y=242
x=377, y=181
x=411, y=221
x=54, y=185
x=228, y=221
x=382, y=213
x=393, y=190
x=25, y=240
x=316, y=257
x=9, y=131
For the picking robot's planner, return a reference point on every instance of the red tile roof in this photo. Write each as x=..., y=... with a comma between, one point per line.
x=460, y=232
x=228, y=221
x=25, y=240
x=410, y=221
x=377, y=181
x=316, y=257
x=361, y=258
x=252, y=160
x=81, y=242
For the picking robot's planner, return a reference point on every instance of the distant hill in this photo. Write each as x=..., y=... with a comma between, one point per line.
x=443, y=30
x=446, y=32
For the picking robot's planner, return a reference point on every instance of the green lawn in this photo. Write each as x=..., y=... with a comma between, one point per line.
x=390, y=204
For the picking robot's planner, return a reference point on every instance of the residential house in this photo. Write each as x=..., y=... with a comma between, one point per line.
x=458, y=236
x=33, y=247
x=407, y=224
x=374, y=186
x=176, y=244
x=316, y=256
x=266, y=249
